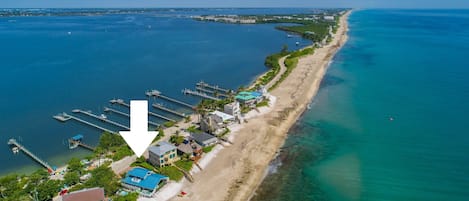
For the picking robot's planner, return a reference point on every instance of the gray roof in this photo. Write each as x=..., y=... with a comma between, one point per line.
x=161, y=148
x=188, y=148
x=202, y=137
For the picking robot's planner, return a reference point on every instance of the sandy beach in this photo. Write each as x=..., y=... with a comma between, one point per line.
x=237, y=170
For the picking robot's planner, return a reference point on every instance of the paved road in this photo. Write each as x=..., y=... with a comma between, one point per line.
x=277, y=77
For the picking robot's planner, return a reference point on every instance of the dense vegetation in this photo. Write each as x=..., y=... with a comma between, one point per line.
x=207, y=105
x=103, y=177
x=38, y=185
x=20, y=187
x=113, y=146
x=290, y=63
x=316, y=31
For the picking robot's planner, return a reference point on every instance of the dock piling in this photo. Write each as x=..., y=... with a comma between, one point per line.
x=121, y=102
x=202, y=95
x=13, y=142
x=157, y=94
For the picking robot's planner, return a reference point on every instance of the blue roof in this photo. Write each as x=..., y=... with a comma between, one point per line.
x=248, y=95
x=146, y=179
x=256, y=94
x=138, y=172
x=77, y=137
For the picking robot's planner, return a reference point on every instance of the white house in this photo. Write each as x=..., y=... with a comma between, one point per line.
x=232, y=109
x=329, y=17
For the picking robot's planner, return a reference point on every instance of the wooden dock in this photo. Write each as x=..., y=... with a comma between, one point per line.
x=215, y=93
x=107, y=109
x=200, y=94
x=65, y=117
x=102, y=118
x=121, y=102
x=203, y=84
x=157, y=94
x=13, y=142
x=161, y=107
x=76, y=141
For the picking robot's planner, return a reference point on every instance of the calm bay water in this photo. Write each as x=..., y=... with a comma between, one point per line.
x=390, y=121
x=55, y=64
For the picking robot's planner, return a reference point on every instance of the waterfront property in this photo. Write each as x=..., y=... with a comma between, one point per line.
x=232, y=109
x=216, y=122
x=76, y=141
x=249, y=98
x=222, y=117
x=91, y=194
x=204, y=139
x=17, y=146
x=190, y=147
x=143, y=181
x=208, y=124
x=162, y=154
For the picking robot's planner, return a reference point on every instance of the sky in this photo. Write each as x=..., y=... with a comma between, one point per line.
x=235, y=3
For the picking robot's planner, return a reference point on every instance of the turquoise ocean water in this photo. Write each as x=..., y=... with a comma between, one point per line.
x=56, y=64
x=390, y=121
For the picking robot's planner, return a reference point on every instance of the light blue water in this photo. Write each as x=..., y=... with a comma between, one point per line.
x=45, y=70
x=405, y=64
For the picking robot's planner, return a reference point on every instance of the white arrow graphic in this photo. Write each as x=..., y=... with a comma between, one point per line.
x=138, y=138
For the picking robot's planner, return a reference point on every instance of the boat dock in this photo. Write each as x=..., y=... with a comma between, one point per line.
x=102, y=118
x=161, y=117
x=65, y=117
x=161, y=107
x=13, y=142
x=121, y=102
x=203, y=84
x=211, y=92
x=76, y=141
x=157, y=94
x=107, y=109
x=196, y=93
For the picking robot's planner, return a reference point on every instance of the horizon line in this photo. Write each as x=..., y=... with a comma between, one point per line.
x=357, y=8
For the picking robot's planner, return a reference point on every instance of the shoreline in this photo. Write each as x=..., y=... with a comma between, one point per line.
x=240, y=168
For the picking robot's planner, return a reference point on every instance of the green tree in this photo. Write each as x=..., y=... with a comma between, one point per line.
x=130, y=197
x=104, y=177
x=176, y=139
x=74, y=165
x=48, y=189
x=71, y=178
x=108, y=141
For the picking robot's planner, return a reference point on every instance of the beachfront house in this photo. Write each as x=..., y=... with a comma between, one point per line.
x=143, y=181
x=216, y=122
x=204, y=139
x=329, y=17
x=208, y=124
x=249, y=98
x=190, y=148
x=232, y=109
x=222, y=118
x=90, y=194
x=162, y=154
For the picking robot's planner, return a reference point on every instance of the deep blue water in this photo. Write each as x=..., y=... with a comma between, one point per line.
x=408, y=65
x=45, y=70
